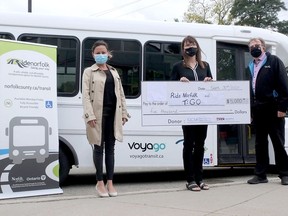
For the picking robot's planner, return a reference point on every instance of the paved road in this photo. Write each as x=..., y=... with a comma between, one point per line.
x=156, y=180
x=161, y=193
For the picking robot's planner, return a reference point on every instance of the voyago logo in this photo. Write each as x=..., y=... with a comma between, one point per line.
x=147, y=146
x=25, y=63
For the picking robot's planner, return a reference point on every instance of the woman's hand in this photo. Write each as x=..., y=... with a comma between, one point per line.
x=184, y=79
x=207, y=79
x=92, y=123
x=124, y=120
x=281, y=114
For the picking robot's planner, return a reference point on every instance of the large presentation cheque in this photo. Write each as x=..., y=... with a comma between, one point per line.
x=195, y=103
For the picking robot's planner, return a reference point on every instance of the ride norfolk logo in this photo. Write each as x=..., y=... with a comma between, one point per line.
x=25, y=63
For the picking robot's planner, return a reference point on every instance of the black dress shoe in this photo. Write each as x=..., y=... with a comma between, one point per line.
x=284, y=180
x=257, y=180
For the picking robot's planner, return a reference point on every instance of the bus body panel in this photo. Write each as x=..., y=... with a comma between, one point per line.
x=142, y=146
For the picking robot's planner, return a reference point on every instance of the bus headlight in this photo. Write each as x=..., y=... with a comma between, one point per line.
x=42, y=151
x=15, y=152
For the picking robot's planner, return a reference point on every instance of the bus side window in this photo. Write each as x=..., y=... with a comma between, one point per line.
x=126, y=59
x=7, y=36
x=159, y=58
x=68, y=55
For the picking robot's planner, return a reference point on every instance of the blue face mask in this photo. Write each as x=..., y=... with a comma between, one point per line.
x=101, y=58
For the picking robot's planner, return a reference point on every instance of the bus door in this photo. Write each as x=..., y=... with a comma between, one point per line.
x=235, y=142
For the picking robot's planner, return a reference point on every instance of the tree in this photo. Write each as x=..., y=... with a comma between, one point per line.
x=283, y=27
x=258, y=13
x=198, y=11
x=221, y=11
x=209, y=11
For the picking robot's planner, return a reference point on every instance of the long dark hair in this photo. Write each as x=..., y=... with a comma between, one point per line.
x=191, y=40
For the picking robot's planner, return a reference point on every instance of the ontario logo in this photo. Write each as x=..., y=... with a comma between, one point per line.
x=25, y=63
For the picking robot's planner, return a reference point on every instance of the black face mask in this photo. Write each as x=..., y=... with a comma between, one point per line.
x=256, y=52
x=191, y=51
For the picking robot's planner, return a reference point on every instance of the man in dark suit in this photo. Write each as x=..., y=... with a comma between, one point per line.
x=269, y=84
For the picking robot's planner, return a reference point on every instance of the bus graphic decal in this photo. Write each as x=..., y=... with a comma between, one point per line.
x=28, y=139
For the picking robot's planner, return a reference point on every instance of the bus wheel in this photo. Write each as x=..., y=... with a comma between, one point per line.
x=64, y=166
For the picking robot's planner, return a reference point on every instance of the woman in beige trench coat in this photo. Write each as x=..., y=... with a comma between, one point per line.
x=104, y=112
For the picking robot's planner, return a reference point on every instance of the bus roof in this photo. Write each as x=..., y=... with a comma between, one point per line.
x=128, y=26
x=227, y=33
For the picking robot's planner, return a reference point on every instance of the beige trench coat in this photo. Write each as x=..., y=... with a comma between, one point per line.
x=93, y=83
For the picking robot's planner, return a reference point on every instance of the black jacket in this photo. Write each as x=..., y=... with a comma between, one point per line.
x=180, y=70
x=271, y=83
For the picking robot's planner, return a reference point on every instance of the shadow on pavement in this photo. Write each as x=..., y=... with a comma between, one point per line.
x=159, y=176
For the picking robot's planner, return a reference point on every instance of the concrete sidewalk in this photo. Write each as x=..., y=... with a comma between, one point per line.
x=225, y=199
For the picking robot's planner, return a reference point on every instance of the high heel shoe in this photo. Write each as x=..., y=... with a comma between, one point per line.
x=112, y=194
x=101, y=194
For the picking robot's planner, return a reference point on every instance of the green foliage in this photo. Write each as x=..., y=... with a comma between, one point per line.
x=221, y=11
x=197, y=18
x=198, y=11
x=209, y=11
x=258, y=13
x=283, y=27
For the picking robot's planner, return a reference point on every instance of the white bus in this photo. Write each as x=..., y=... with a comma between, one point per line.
x=142, y=51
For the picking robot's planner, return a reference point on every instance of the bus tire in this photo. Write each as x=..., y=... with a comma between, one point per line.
x=64, y=166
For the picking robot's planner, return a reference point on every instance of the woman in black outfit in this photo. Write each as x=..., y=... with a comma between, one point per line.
x=192, y=68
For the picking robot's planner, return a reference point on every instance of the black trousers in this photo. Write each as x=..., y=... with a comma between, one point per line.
x=267, y=123
x=193, y=151
x=107, y=146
